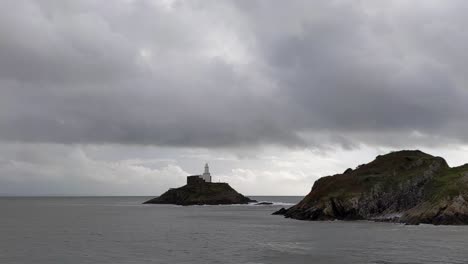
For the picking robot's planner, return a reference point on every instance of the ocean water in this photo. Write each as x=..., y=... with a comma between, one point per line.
x=122, y=230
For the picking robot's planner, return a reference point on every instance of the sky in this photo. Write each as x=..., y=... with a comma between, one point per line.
x=130, y=97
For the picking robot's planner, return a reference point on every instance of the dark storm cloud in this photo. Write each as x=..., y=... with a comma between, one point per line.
x=213, y=73
x=346, y=76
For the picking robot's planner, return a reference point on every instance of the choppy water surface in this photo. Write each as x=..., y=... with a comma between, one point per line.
x=121, y=230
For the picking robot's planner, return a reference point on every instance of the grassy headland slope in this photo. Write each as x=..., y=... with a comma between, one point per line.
x=405, y=186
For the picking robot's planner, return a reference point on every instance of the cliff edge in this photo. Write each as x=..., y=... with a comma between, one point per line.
x=406, y=186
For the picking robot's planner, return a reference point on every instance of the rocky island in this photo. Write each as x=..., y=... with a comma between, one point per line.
x=409, y=187
x=199, y=190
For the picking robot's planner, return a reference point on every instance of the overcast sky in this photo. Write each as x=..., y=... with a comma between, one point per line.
x=127, y=97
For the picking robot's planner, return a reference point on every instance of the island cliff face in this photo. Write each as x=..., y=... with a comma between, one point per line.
x=201, y=193
x=407, y=186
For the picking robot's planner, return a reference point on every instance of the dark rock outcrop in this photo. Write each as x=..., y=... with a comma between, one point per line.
x=281, y=211
x=264, y=203
x=407, y=186
x=201, y=193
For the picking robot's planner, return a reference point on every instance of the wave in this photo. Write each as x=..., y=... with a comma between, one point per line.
x=272, y=203
x=252, y=204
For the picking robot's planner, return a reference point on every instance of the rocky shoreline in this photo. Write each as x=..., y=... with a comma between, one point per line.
x=201, y=193
x=409, y=187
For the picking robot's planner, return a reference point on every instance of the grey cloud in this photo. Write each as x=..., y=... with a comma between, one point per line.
x=52, y=169
x=220, y=74
x=346, y=71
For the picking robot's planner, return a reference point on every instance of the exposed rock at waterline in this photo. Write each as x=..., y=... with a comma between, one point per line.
x=406, y=186
x=201, y=193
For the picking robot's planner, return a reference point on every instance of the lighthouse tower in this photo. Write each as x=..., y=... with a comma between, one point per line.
x=206, y=175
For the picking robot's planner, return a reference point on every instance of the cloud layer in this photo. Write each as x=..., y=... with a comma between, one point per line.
x=272, y=92
x=211, y=74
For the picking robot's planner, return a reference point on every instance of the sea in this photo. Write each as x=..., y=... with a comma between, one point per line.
x=116, y=230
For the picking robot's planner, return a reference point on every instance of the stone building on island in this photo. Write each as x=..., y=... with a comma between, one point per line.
x=205, y=177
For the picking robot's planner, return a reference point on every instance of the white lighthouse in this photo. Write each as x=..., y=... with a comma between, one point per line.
x=206, y=175
x=196, y=179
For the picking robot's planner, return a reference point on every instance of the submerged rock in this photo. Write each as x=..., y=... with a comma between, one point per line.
x=201, y=193
x=264, y=203
x=409, y=187
x=281, y=211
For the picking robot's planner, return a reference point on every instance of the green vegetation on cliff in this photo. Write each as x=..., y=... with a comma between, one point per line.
x=405, y=186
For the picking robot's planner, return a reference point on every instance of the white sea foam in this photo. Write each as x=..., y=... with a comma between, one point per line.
x=273, y=203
